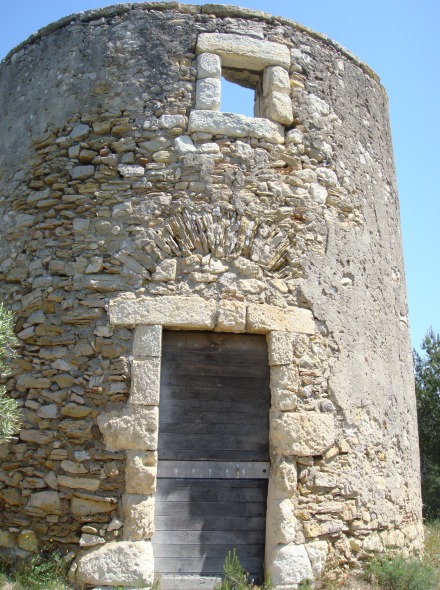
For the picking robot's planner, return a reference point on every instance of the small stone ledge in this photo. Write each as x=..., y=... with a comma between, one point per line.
x=241, y=51
x=235, y=126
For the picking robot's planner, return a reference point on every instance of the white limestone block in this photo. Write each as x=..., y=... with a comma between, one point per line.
x=208, y=92
x=289, y=565
x=133, y=428
x=280, y=521
x=284, y=377
x=317, y=552
x=263, y=318
x=145, y=382
x=240, y=51
x=138, y=517
x=147, y=341
x=280, y=348
x=278, y=107
x=184, y=144
x=209, y=65
x=170, y=121
x=276, y=79
x=183, y=312
x=231, y=316
x=301, y=434
x=126, y=563
x=140, y=472
x=235, y=126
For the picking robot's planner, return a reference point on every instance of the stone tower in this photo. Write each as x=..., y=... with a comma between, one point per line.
x=142, y=229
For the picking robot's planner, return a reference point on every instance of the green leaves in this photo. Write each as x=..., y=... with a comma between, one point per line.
x=427, y=377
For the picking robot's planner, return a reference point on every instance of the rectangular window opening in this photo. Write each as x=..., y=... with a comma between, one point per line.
x=239, y=92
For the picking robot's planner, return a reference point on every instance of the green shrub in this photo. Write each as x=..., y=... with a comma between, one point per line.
x=400, y=573
x=235, y=577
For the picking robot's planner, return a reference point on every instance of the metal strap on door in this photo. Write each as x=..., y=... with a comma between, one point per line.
x=213, y=469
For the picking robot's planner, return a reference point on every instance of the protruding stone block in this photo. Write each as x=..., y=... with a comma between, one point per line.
x=148, y=341
x=184, y=312
x=145, y=382
x=128, y=563
x=240, y=51
x=133, y=428
x=208, y=93
x=267, y=318
x=231, y=316
x=301, y=434
x=140, y=472
x=317, y=552
x=209, y=65
x=289, y=564
x=139, y=517
x=235, y=126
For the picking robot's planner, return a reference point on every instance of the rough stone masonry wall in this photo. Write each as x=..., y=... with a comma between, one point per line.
x=108, y=195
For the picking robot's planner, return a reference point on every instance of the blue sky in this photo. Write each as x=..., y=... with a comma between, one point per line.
x=399, y=40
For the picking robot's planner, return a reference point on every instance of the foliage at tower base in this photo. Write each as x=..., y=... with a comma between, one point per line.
x=427, y=374
x=9, y=410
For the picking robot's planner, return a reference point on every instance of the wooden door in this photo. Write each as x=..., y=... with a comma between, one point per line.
x=213, y=456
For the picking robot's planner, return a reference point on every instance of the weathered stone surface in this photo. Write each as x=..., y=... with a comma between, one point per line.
x=85, y=507
x=117, y=564
x=140, y=472
x=235, y=126
x=38, y=437
x=289, y=564
x=281, y=521
x=7, y=539
x=278, y=107
x=231, y=316
x=184, y=312
x=208, y=66
x=148, y=341
x=138, y=517
x=284, y=474
x=82, y=172
x=266, y=318
x=301, y=434
x=208, y=92
x=276, y=79
x=47, y=501
x=284, y=377
x=145, y=382
x=280, y=348
x=317, y=552
x=134, y=428
x=28, y=540
x=240, y=51
x=83, y=483
x=88, y=540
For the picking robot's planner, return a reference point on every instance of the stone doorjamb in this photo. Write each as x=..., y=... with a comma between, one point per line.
x=135, y=428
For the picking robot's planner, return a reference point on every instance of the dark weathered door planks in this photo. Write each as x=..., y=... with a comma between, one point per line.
x=213, y=456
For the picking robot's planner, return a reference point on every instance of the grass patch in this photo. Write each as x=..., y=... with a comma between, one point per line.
x=400, y=573
x=38, y=572
x=235, y=577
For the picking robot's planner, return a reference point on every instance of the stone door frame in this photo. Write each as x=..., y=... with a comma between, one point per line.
x=291, y=433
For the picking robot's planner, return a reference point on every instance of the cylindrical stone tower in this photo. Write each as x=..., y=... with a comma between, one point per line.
x=164, y=261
